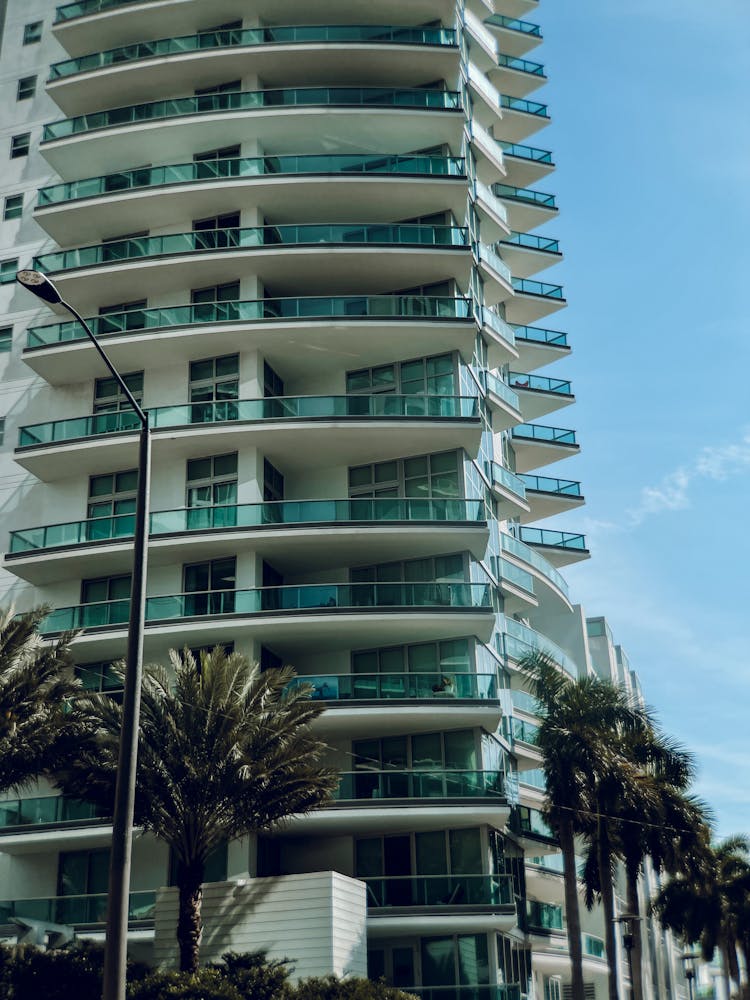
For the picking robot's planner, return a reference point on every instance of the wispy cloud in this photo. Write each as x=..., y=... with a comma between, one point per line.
x=673, y=492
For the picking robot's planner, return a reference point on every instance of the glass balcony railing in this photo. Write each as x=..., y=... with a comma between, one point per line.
x=493, y=260
x=379, y=407
x=422, y=784
x=533, y=778
x=76, y=910
x=522, y=152
x=256, y=515
x=554, y=539
x=254, y=167
x=526, y=286
x=552, y=486
x=530, y=241
x=383, y=687
x=513, y=24
x=511, y=991
x=495, y=385
x=522, y=65
x=255, y=100
x=248, y=37
x=515, y=575
x=525, y=702
x=44, y=810
x=520, y=550
x=517, y=640
x=439, y=890
x=536, y=335
x=549, y=863
x=524, y=732
x=526, y=195
x=540, y=432
x=593, y=946
x=544, y=916
x=359, y=307
x=504, y=477
x=539, y=383
x=524, y=106
x=354, y=597
x=221, y=240
x=498, y=325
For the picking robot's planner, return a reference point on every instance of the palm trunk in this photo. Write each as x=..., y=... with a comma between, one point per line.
x=189, y=920
x=572, y=912
x=636, y=954
x=731, y=966
x=604, y=858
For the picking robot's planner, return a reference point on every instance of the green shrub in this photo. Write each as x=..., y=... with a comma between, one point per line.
x=29, y=973
x=331, y=988
x=255, y=976
x=206, y=984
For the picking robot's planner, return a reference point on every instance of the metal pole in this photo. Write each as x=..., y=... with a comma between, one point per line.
x=118, y=899
x=689, y=977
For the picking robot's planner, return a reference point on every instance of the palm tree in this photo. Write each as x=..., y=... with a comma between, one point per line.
x=224, y=751
x=705, y=904
x=37, y=730
x=585, y=725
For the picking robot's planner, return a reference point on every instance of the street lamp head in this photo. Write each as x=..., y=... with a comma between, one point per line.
x=40, y=285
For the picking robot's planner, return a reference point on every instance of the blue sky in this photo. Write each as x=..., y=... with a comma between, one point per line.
x=652, y=139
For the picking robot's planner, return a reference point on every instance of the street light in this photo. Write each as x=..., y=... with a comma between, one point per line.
x=628, y=940
x=688, y=963
x=115, y=957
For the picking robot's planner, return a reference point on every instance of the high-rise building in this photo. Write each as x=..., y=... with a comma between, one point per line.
x=307, y=233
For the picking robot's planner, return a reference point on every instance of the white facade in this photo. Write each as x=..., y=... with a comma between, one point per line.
x=315, y=251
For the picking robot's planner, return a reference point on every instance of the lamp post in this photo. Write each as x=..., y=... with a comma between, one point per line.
x=628, y=940
x=688, y=964
x=122, y=821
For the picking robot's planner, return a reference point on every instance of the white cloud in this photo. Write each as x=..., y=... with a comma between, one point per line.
x=673, y=492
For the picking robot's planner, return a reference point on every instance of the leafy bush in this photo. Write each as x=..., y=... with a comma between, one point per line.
x=28, y=973
x=256, y=976
x=331, y=988
x=206, y=984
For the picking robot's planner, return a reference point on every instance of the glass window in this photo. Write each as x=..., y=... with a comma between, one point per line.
x=122, y=316
x=432, y=376
x=8, y=270
x=13, y=207
x=6, y=339
x=109, y=397
x=429, y=853
x=32, y=32
x=19, y=145
x=273, y=482
x=423, y=476
x=26, y=88
x=273, y=385
x=438, y=961
x=98, y=677
x=112, y=494
x=2, y=430
x=215, y=379
x=465, y=850
x=212, y=482
x=229, y=292
x=460, y=750
x=369, y=857
x=105, y=588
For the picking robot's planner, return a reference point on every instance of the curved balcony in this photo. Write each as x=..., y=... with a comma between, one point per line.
x=521, y=118
x=404, y=56
x=339, y=430
x=379, y=187
x=537, y=346
x=561, y=547
x=540, y=394
x=335, y=689
x=532, y=301
x=502, y=401
x=540, y=569
x=536, y=445
x=516, y=37
x=86, y=25
x=516, y=640
x=502, y=341
x=293, y=120
x=527, y=253
x=516, y=77
x=289, y=618
x=292, y=534
x=306, y=258
x=526, y=208
x=525, y=165
x=496, y=276
x=548, y=496
x=419, y=784
x=45, y=811
x=310, y=333
x=509, y=490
